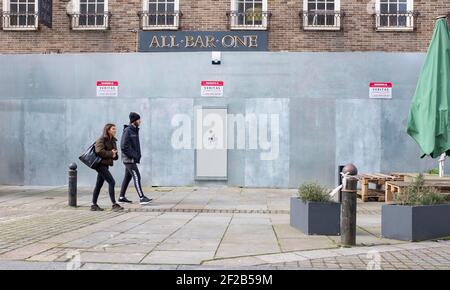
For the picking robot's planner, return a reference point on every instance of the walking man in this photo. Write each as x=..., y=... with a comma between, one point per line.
x=131, y=156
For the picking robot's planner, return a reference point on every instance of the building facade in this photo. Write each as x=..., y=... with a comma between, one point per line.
x=292, y=25
x=305, y=68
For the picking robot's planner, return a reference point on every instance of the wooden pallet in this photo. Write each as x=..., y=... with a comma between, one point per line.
x=394, y=187
x=372, y=195
x=377, y=179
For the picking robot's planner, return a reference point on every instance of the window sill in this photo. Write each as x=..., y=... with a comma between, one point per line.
x=31, y=28
x=94, y=28
x=395, y=29
x=160, y=27
x=322, y=28
x=247, y=27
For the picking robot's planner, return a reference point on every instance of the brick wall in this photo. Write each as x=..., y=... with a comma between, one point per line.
x=285, y=33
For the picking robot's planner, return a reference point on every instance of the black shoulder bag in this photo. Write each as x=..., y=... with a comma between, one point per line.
x=90, y=158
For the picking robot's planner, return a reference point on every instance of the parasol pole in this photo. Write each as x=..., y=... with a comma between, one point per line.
x=441, y=164
x=443, y=155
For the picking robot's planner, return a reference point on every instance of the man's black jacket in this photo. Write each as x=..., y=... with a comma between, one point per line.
x=130, y=146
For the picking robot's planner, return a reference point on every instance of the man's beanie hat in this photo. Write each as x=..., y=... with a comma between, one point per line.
x=134, y=117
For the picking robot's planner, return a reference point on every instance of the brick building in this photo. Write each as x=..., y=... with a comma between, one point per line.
x=301, y=76
x=292, y=25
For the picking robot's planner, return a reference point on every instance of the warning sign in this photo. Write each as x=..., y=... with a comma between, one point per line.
x=107, y=88
x=380, y=90
x=212, y=89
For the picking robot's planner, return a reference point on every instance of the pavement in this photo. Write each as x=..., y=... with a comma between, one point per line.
x=190, y=228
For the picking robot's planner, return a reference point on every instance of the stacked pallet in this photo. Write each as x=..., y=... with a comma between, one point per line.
x=378, y=180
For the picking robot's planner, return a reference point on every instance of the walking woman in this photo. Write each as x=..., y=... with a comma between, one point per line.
x=106, y=148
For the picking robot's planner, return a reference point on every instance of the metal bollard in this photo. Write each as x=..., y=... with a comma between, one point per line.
x=73, y=185
x=348, y=205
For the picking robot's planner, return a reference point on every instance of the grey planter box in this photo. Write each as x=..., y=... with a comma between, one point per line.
x=415, y=223
x=316, y=218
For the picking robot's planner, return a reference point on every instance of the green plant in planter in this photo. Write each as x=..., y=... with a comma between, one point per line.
x=313, y=192
x=433, y=171
x=419, y=194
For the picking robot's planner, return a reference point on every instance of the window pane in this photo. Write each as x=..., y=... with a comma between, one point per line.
x=31, y=20
x=152, y=7
x=320, y=19
x=13, y=20
x=82, y=20
x=100, y=20
x=241, y=17
x=403, y=8
x=161, y=19
x=152, y=20
x=330, y=20
x=402, y=21
x=320, y=6
x=170, y=20
x=384, y=20
x=100, y=8
x=22, y=20
x=393, y=8
x=392, y=20
x=330, y=6
x=170, y=8
x=91, y=8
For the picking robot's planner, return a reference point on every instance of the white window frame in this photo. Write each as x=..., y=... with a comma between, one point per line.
x=144, y=18
x=6, y=23
x=307, y=26
x=76, y=9
x=410, y=21
x=234, y=20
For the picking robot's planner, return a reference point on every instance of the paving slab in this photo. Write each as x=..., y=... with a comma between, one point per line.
x=190, y=228
x=177, y=257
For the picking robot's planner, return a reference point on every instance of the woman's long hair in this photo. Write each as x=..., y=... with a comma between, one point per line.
x=106, y=130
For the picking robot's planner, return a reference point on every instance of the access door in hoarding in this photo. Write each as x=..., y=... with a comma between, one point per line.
x=211, y=155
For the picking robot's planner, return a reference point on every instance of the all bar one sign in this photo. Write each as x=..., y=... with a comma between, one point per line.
x=159, y=41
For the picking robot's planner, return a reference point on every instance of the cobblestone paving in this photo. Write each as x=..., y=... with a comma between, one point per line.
x=437, y=258
x=19, y=232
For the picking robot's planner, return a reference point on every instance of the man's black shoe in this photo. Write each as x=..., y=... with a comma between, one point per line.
x=144, y=200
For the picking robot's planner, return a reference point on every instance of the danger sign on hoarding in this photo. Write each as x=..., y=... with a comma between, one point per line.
x=107, y=88
x=380, y=90
x=212, y=89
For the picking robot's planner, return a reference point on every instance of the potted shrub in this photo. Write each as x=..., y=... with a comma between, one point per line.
x=419, y=213
x=313, y=212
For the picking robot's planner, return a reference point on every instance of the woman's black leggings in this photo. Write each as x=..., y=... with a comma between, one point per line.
x=104, y=174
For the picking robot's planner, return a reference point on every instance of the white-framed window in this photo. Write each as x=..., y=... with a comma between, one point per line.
x=160, y=15
x=395, y=15
x=322, y=14
x=20, y=15
x=249, y=14
x=89, y=15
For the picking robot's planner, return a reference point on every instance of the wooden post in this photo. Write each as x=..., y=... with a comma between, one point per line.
x=348, y=206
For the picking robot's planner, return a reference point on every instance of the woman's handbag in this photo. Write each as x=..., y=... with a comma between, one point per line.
x=90, y=158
